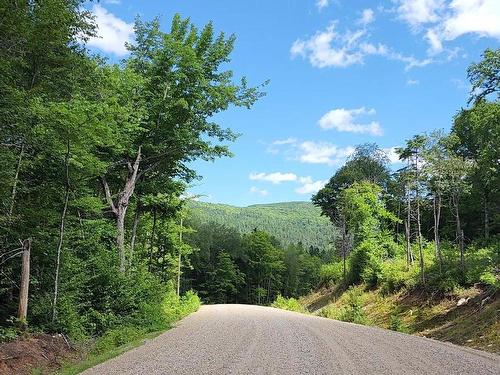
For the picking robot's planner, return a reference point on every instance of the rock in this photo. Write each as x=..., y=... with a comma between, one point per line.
x=462, y=301
x=485, y=301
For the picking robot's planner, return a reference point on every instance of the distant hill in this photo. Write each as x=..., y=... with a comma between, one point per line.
x=289, y=222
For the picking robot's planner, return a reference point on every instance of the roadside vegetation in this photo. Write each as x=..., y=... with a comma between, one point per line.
x=95, y=160
x=419, y=248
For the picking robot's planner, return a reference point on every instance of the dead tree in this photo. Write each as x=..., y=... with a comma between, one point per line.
x=25, y=282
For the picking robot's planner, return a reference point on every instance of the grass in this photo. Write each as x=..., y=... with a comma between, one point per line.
x=420, y=314
x=118, y=341
x=93, y=359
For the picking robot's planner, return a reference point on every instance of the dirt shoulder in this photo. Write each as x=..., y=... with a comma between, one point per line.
x=42, y=352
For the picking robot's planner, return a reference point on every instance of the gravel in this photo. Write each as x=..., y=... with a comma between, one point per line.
x=242, y=339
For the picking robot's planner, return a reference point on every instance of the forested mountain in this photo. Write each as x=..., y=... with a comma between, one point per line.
x=289, y=222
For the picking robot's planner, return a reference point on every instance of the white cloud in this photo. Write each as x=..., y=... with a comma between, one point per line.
x=392, y=155
x=329, y=48
x=367, y=17
x=257, y=191
x=445, y=20
x=344, y=120
x=322, y=4
x=274, y=147
x=286, y=141
x=481, y=17
x=309, y=186
x=417, y=12
x=412, y=82
x=323, y=153
x=321, y=52
x=435, y=44
x=113, y=2
x=112, y=32
x=275, y=178
x=460, y=84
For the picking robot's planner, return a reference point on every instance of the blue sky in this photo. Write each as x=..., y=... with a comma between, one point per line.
x=342, y=73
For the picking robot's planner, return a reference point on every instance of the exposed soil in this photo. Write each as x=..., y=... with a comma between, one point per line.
x=42, y=352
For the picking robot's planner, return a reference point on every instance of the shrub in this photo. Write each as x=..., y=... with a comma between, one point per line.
x=353, y=311
x=290, y=304
x=482, y=264
x=490, y=279
x=331, y=273
x=396, y=275
x=396, y=324
x=117, y=337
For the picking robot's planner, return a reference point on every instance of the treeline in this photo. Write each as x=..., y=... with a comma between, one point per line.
x=94, y=160
x=289, y=222
x=228, y=267
x=435, y=222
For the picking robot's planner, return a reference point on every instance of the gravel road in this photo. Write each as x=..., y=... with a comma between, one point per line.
x=241, y=339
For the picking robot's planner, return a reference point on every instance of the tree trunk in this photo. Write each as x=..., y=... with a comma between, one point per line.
x=459, y=233
x=409, y=253
x=396, y=236
x=420, y=248
x=486, y=217
x=152, y=241
x=409, y=257
x=343, y=249
x=25, y=282
x=61, y=235
x=179, y=263
x=137, y=219
x=419, y=228
x=437, y=241
x=16, y=181
x=120, y=208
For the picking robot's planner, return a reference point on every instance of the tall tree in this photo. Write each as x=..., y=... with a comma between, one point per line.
x=181, y=85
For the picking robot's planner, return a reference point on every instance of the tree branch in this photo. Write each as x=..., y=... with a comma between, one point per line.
x=107, y=192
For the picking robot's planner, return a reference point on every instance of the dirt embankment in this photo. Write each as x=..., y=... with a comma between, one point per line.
x=42, y=352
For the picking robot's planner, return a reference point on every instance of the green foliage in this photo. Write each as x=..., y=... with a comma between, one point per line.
x=395, y=275
x=396, y=324
x=290, y=223
x=290, y=304
x=331, y=273
x=117, y=337
x=353, y=310
x=8, y=334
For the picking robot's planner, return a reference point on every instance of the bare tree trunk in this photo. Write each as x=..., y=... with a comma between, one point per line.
x=16, y=181
x=137, y=219
x=420, y=246
x=409, y=253
x=61, y=236
x=152, y=241
x=437, y=241
x=486, y=217
x=343, y=248
x=179, y=263
x=396, y=239
x=419, y=228
x=462, y=254
x=120, y=208
x=409, y=260
x=25, y=282
x=459, y=233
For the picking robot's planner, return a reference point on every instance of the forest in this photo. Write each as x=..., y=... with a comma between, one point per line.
x=435, y=222
x=289, y=222
x=94, y=162
x=96, y=159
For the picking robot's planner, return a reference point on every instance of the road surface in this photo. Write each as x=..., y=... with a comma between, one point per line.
x=241, y=339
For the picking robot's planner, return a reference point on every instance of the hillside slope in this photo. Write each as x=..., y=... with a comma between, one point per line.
x=467, y=317
x=289, y=222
